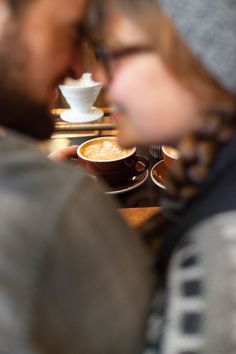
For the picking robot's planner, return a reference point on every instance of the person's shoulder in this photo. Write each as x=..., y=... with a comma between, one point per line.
x=212, y=242
x=201, y=283
x=217, y=229
x=28, y=174
x=23, y=154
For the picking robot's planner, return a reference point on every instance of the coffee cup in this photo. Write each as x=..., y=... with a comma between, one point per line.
x=170, y=155
x=104, y=158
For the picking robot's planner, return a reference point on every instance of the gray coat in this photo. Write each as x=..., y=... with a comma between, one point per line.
x=73, y=277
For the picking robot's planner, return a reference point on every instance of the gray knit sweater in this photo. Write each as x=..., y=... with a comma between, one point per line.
x=196, y=314
x=73, y=277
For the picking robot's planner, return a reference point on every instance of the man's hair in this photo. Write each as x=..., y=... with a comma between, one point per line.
x=18, y=5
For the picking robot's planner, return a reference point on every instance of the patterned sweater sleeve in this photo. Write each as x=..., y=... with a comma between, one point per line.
x=197, y=313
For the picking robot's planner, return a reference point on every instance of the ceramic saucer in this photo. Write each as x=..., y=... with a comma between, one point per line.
x=159, y=174
x=130, y=185
x=68, y=115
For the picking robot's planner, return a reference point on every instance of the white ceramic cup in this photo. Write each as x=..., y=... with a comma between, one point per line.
x=81, y=94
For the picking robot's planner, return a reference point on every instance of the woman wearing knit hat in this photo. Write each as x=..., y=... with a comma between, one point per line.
x=169, y=67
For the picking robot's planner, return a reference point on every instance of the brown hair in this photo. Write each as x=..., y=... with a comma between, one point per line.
x=17, y=6
x=218, y=118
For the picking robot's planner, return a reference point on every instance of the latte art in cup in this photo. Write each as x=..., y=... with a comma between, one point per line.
x=104, y=158
x=104, y=150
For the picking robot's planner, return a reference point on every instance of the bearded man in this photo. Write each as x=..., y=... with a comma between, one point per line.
x=73, y=277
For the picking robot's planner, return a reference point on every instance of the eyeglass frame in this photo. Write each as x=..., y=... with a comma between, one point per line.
x=106, y=55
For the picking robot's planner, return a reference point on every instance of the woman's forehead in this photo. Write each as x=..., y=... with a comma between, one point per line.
x=121, y=28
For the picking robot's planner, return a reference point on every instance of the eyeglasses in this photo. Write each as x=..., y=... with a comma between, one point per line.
x=106, y=56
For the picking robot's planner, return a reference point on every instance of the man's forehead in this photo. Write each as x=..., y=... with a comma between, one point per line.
x=70, y=6
x=62, y=9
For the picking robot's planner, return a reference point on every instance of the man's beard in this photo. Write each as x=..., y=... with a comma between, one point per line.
x=18, y=111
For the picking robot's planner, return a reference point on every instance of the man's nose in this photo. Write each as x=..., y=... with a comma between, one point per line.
x=99, y=74
x=76, y=67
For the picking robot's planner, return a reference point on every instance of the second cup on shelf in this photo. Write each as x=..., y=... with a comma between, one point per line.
x=170, y=155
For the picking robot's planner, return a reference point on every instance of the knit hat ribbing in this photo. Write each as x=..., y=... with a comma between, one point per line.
x=209, y=29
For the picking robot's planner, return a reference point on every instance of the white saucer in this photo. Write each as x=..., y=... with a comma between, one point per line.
x=68, y=115
x=159, y=174
x=129, y=186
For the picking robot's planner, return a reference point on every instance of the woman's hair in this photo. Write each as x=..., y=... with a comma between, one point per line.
x=218, y=115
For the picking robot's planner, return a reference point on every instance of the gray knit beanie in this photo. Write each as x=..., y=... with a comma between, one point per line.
x=209, y=29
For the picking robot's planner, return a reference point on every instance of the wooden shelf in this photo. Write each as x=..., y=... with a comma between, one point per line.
x=103, y=124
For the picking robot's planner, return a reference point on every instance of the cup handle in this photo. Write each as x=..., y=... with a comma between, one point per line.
x=141, y=165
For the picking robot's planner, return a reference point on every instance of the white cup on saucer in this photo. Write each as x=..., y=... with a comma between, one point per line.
x=81, y=95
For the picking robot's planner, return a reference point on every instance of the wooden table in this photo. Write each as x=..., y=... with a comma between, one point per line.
x=138, y=216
